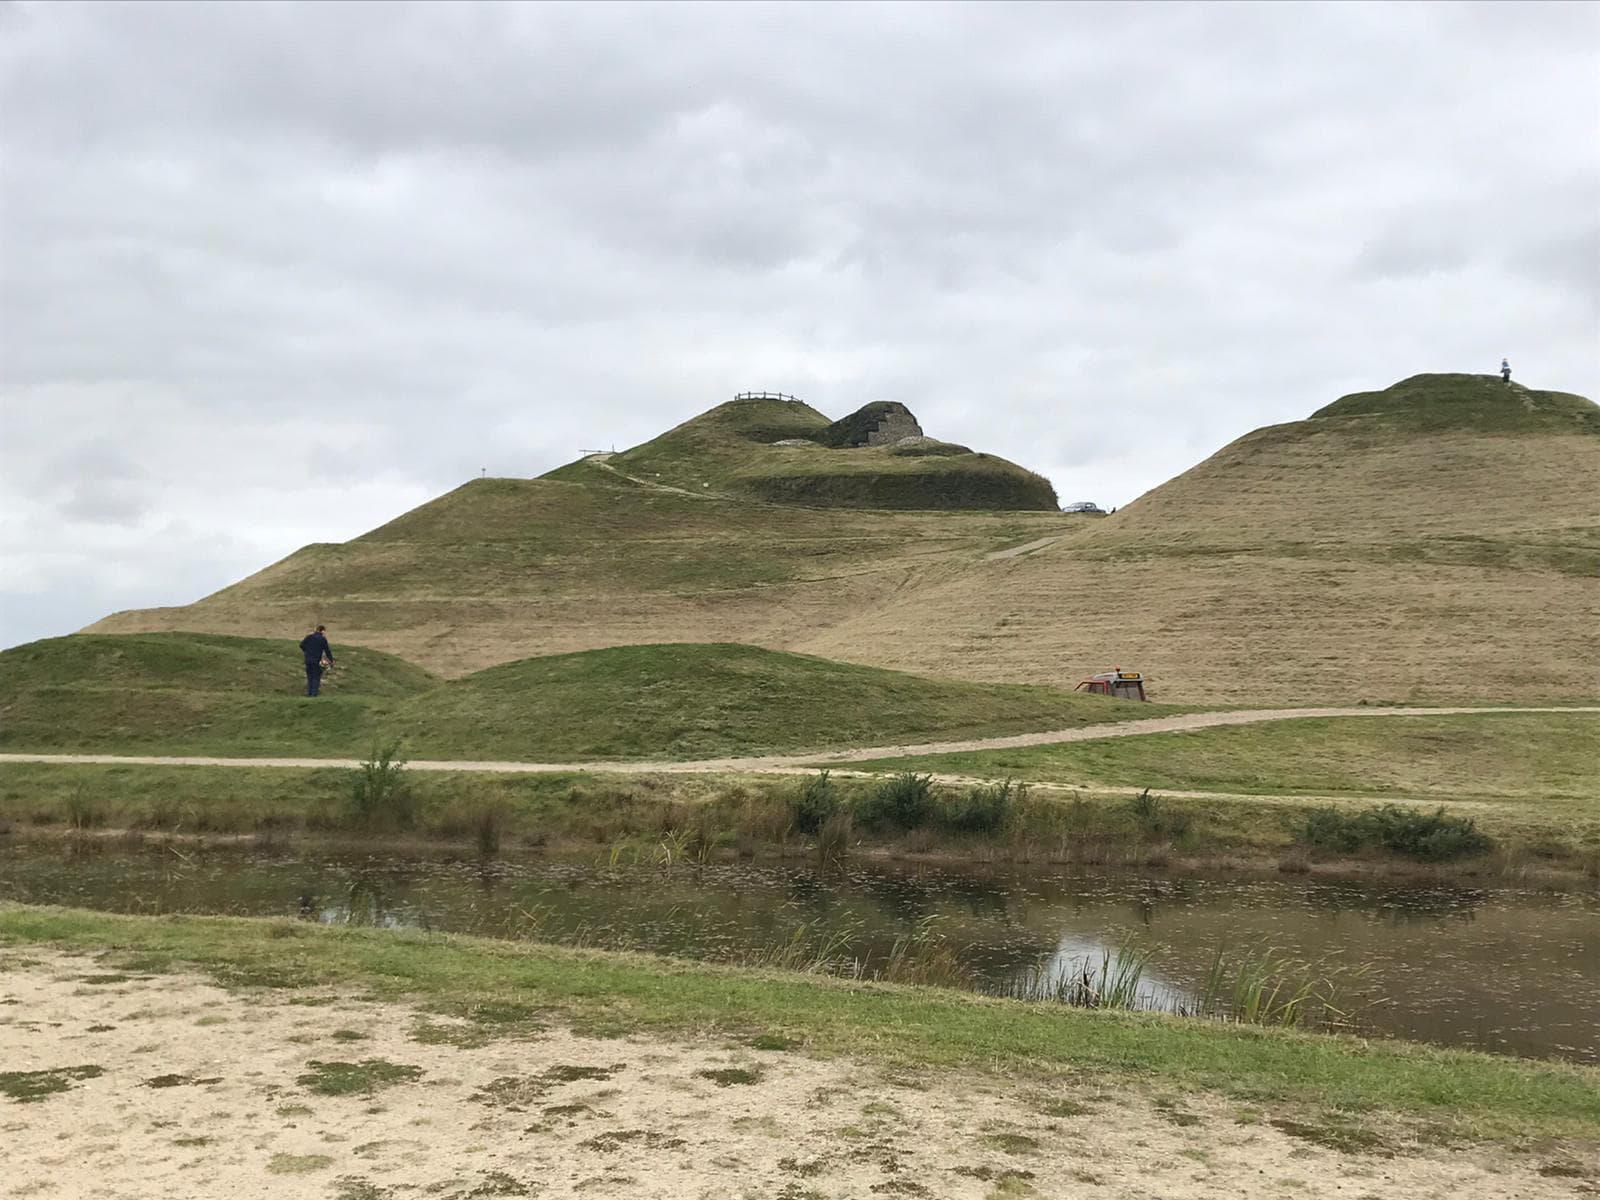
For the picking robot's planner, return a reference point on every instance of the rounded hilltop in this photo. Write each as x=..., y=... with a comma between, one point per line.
x=780, y=450
x=1483, y=402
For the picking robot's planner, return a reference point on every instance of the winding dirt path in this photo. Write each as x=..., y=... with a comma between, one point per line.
x=786, y=763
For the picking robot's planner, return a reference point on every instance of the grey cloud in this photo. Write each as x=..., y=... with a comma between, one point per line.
x=306, y=265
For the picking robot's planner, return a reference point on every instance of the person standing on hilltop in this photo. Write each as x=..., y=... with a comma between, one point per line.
x=315, y=647
x=1505, y=370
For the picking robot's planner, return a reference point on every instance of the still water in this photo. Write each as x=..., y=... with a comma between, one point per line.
x=1510, y=969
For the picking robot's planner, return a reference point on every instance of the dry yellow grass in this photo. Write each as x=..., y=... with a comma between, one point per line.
x=1437, y=541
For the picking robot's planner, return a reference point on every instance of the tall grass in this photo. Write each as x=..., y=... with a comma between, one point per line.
x=1262, y=986
x=82, y=812
x=1116, y=982
x=1256, y=985
x=920, y=956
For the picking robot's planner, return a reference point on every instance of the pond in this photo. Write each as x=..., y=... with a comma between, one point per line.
x=1504, y=968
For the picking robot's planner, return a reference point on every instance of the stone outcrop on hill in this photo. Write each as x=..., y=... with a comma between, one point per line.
x=881, y=423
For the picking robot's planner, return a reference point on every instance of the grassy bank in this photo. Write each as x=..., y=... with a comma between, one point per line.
x=1531, y=780
x=728, y=815
x=1529, y=756
x=611, y=994
x=209, y=694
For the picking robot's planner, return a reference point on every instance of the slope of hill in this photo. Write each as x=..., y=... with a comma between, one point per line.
x=502, y=569
x=786, y=452
x=180, y=693
x=1438, y=540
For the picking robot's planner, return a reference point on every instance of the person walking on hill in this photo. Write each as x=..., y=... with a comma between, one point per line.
x=1505, y=370
x=315, y=647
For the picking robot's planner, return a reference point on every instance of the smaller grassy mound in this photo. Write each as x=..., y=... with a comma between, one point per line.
x=173, y=692
x=732, y=450
x=1481, y=403
x=885, y=477
x=703, y=701
x=168, y=693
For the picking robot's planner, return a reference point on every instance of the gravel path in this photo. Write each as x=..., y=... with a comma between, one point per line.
x=784, y=763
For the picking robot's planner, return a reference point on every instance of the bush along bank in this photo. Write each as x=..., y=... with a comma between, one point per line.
x=830, y=815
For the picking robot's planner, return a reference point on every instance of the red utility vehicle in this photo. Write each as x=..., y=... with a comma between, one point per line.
x=1125, y=685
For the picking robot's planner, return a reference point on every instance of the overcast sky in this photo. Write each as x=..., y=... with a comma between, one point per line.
x=274, y=274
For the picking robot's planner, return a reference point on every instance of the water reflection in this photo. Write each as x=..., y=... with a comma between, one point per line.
x=1510, y=969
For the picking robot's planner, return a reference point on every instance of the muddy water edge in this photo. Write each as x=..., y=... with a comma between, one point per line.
x=1512, y=969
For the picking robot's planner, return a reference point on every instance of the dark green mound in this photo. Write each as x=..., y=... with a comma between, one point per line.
x=190, y=692
x=784, y=452
x=695, y=701
x=947, y=481
x=1483, y=403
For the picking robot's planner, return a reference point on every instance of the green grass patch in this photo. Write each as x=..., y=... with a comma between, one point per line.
x=352, y=1078
x=26, y=1087
x=1529, y=781
x=176, y=694
x=1536, y=755
x=899, y=1024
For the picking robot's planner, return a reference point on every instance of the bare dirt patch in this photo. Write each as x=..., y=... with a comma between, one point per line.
x=553, y=1114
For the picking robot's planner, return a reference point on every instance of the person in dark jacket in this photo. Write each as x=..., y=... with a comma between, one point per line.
x=315, y=647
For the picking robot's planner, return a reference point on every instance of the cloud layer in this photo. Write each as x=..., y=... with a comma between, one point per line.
x=271, y=274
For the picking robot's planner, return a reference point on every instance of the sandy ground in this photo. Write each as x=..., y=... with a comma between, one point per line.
x=205, y=1092
x=793, y=762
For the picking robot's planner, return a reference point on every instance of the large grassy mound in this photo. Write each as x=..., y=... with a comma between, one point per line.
x=1439, y=540
x=175, y=693
x=502, y=569
x=702, y=701
x=732, y=451
x=1436, y=541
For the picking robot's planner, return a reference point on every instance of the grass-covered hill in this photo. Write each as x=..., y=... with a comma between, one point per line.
x=503, y=569
x=785, y=452
x=180, y=693
x=159, y=692
x=1437, y=540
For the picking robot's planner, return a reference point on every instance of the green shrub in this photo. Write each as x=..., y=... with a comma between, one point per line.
x=813, y=803
x=982, y=809
x=904, y=801
x=1157, y=819
x=380, y=793
x=1408, y=832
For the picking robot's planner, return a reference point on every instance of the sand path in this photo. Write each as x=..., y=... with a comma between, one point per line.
x=788, y=763
x=172, y=1086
